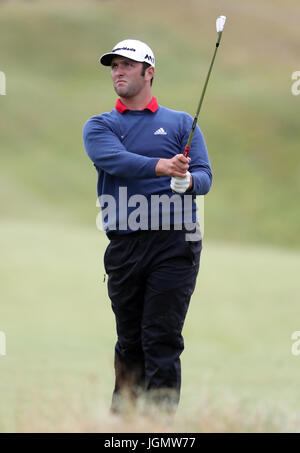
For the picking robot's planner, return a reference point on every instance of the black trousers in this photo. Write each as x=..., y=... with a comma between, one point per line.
x=151, y=277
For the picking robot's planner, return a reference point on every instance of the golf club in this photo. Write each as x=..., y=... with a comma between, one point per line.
x=220, y=26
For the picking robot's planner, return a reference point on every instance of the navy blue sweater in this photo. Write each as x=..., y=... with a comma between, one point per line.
x=125, y=148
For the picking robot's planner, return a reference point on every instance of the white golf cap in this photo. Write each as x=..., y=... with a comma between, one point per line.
x=130, y=48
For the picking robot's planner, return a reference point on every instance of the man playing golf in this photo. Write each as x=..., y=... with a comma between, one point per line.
x=147, y=190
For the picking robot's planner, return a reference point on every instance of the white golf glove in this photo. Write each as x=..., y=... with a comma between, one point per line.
x=180, y=185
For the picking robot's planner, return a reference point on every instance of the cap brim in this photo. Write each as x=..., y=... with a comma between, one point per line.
x=106, y=58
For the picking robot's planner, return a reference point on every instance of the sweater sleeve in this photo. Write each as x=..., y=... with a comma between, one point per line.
x=200, y=165
x=108, y=153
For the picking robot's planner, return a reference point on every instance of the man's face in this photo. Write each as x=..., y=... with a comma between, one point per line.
x=127, y=77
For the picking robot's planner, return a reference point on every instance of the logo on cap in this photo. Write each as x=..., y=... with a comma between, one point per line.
x=124, y=48
x=148, y=57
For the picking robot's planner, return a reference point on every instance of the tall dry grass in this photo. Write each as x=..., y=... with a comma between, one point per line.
x=206, y=415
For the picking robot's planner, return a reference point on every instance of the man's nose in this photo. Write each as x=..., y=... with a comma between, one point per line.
x=119, y=71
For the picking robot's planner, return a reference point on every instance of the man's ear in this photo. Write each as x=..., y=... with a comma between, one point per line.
x=149, y=74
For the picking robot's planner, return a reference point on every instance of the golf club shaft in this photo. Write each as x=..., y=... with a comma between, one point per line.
x=188, y=145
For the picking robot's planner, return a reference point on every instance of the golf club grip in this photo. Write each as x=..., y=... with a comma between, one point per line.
x=186, y=150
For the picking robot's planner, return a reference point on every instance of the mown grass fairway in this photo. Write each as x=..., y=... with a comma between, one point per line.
x=58, y=371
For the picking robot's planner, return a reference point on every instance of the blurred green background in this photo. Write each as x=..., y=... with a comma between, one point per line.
x=58, y=370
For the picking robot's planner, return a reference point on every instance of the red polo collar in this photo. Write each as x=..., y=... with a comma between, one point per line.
x=152, y=106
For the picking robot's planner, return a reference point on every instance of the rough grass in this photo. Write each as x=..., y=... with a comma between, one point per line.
x=228, y=415
x=49, y=54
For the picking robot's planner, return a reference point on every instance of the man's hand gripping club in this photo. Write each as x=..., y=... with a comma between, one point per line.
x=177, y=168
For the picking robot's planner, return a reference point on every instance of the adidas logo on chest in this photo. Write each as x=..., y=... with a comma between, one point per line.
x=160, y=131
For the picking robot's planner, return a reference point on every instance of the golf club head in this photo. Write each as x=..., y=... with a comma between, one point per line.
x=220, y=22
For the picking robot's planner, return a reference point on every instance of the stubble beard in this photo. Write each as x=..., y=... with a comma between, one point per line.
x=125, y=92
x=128, y=91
